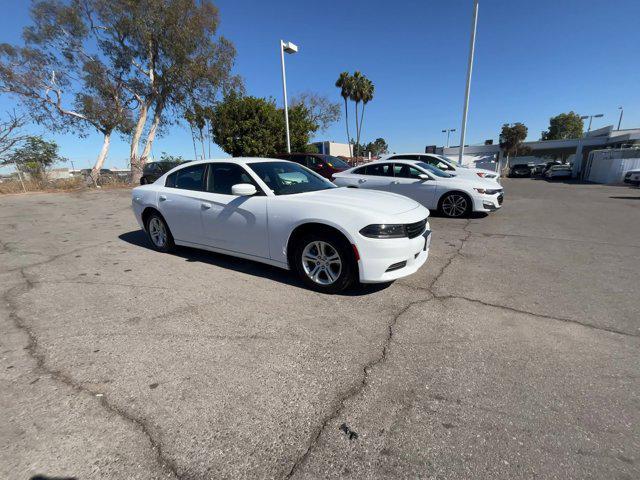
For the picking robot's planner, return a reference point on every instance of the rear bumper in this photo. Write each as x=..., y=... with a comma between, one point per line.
x=385, y=260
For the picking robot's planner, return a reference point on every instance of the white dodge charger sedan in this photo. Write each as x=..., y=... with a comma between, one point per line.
x=283, y=214
x=428, y=185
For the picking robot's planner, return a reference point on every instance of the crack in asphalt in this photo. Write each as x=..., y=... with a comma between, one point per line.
x=355, y=390
x=31, y=348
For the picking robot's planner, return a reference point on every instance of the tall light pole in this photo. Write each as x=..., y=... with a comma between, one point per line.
x=591, y=117
x=620, y=119
x=289, y=48
x=448, y=131
x=474, y=24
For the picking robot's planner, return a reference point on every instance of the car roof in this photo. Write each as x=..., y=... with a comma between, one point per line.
x=238, y=160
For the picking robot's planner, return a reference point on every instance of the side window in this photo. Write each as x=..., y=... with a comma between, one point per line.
x=188, y=178
x=403, y=170
x=301, y=159
x=380, y=170
x=313, y=162
x=360, y=171
x=223, y=176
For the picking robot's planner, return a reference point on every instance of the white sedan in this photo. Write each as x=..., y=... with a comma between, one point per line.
x=428, y=185
x=444, y=164
x=283, y=214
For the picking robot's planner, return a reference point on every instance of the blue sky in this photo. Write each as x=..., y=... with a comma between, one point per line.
x=533, y=60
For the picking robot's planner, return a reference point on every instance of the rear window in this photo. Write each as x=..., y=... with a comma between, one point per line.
x=188, y=178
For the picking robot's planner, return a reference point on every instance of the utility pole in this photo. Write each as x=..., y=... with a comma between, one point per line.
x=448, y=132
x=620, y=120
x=472, y=47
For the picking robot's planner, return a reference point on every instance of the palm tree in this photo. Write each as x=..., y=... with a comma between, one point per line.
x=345, y=84
x=366, y=95
x=357, y=89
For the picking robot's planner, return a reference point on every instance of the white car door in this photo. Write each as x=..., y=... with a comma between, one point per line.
x=378, y=176
x=407, y=182
x=231, y=222
x=180, y=200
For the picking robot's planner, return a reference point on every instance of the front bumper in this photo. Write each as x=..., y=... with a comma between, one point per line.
x=388, y=259
x=488, y=203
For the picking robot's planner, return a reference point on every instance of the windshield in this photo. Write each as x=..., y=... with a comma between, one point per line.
x=433, y=170
x=286, y=178
x=335, y=161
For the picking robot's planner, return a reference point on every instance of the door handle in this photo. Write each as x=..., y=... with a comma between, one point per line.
x=395, y=182
x=362, y=180
x=205, y=206
x=162, y=198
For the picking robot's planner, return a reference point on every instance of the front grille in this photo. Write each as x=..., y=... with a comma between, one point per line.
x=415, y=229
x=500, y=198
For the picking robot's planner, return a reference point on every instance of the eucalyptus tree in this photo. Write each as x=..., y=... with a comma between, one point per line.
x=172, y=53
x=63, y=86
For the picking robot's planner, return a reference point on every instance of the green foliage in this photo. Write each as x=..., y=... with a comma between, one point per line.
x=377, y=148
x=250, y=126
x=564, y=126
x=173, y=159
x=511, y=138
x=35, y=156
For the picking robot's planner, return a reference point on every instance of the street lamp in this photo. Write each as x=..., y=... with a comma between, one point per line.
x=591, y=117
x=291, y=49
x=465, y=110
x=620, y=120
x=448, y=132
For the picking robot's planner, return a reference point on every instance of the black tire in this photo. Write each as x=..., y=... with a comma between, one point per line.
x=154, y=226
x=455, y=205
x=344, y=276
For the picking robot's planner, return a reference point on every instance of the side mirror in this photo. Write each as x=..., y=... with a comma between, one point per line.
x=243, y=190
x=424, y=176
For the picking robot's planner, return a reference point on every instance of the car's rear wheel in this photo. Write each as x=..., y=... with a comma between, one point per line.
x=324, y=262
x=455, y=205
x=159, y=234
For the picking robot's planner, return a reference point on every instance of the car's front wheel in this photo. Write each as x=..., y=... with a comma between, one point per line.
x=324, y=262
x=455, y=205
x=159, y=234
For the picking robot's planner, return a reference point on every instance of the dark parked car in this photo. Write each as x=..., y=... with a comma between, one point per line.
x=325, y=165
x=154, y=170
x=521, y=170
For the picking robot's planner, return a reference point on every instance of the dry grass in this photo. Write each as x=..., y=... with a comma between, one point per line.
x=60, y=185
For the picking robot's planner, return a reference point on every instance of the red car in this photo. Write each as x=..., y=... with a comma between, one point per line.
x=325, y=165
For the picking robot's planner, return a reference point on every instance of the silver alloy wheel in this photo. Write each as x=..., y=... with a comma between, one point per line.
x=158, y=232
x=454, y=205
x=321, y=262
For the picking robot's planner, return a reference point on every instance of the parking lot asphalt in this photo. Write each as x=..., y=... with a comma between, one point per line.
x=513, y=353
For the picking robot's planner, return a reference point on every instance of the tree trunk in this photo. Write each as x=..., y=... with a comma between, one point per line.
x=361, y=119
x=157, y=114
x=102, y=156
x=202, y=144
x=193, y=139
x=357, y=149
x=134, y=161
x=346, y=120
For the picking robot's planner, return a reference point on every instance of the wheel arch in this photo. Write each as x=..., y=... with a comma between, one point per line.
x=456, y=190
x=313, y=227
x=147, y=212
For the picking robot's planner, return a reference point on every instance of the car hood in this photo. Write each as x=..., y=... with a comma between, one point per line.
x=470, y=182
x=371, y=200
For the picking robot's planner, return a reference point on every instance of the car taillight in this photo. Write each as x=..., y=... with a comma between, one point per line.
x=480, y=174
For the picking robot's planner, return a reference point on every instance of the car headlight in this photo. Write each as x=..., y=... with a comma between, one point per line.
x=385, y=230
x=480, y=190
x=487, y=191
